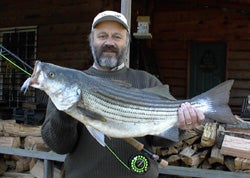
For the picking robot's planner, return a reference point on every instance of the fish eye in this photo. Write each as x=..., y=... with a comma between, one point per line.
x=52, y=75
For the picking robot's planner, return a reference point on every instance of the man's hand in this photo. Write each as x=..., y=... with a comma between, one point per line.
x=189, y=117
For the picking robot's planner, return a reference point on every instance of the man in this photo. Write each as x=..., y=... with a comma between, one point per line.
x=109, y=42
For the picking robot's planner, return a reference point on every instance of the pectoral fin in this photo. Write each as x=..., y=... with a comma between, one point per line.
x=99, y=136
x=171, y=134
x=90, y=114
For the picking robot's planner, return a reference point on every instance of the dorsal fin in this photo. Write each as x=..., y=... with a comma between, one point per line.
x=162, y=91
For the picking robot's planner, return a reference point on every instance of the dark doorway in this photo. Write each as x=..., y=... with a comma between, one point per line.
x=207, y=66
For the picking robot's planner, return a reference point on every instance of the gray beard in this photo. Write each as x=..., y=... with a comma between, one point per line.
x=108, y=62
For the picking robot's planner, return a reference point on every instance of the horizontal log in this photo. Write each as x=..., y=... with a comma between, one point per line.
x=235, y=146
x=10, y=127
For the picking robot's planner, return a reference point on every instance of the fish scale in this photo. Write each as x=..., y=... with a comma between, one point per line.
x=129, y=110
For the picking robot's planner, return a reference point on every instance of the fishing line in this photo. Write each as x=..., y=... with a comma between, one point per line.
x=117, y=157
x=137, y=163
x=14, y=64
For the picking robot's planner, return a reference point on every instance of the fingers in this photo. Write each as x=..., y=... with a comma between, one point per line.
x=189, y=117
x=200, y=116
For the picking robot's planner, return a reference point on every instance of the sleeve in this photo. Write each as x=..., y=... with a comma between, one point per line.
x=59, y=130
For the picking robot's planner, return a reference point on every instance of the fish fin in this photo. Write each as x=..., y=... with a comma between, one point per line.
x=92, y=115
x=171, y=134
x=162, y=91
x=25, y=86
x=99, y=136
x=217, y=98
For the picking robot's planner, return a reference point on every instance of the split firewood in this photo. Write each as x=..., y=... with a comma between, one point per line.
x=189, y=134
x=3, y=166
x=193, y=161
x=187, y=152
x=229, y=162
x=197, y=146
x=35, y=143
x=192, y=140
x=38, y=172
x=209, y=135
x=179, y=145
x=23, y=164
x=174, y=160
x=242, y=164
x=220, y=136
x=32, y=163
x=172, y=150
x=216, y=156
x=11, y=164
x=235, y=146
x=14, y=142
x=11, y=128
x=206, y=165
x=16, y=157
x=204, y=154
x=189, y=157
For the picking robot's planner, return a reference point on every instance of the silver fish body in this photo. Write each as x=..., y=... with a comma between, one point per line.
x=120, y=111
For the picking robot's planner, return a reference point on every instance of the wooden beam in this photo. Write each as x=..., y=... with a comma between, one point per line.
x=241, y=5
x=204, y=173
x=126, y=11
x=31, y=153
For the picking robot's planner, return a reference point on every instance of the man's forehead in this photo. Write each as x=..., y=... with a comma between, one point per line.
x=110, y=25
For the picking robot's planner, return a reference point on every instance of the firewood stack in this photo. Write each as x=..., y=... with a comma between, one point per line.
x=209, y=146
x=26, y=137
x=212, y=146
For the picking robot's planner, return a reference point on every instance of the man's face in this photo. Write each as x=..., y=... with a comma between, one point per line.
x=109, y=45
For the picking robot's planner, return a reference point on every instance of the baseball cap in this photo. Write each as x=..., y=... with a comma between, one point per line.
x=110, y=16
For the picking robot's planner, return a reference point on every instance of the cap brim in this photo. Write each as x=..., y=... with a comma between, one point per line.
x=109, y=18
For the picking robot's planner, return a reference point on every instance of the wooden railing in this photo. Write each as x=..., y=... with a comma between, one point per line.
x=50, y=157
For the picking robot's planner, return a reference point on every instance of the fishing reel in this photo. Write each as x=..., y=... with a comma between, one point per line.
x=139, y=164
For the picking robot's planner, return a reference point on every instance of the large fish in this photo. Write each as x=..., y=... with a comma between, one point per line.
x=109, y=108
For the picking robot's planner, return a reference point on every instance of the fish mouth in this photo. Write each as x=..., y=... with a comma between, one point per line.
x=35, y=74
x=33, y=79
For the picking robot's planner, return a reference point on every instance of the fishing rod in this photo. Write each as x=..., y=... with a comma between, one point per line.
x=139, y=163
x=140, y=147
x=3, y=50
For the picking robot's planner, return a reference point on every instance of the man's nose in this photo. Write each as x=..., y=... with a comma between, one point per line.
x=109, y=42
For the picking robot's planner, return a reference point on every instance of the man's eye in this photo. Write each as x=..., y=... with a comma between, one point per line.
x=102, y=36
x=118, y=37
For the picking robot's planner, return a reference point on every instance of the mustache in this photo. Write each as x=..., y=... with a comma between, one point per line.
x=109, y=48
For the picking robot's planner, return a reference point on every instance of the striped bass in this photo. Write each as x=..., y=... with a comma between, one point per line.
x=108, y=108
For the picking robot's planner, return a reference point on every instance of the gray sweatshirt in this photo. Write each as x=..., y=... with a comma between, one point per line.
x=85, y=157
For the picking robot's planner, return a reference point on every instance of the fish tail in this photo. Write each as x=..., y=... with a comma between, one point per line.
x=217, y=100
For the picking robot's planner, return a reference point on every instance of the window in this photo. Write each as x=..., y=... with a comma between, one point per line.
x=20, y=41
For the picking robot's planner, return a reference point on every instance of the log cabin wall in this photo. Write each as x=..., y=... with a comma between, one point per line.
x=176, y=25
x=63, y=27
